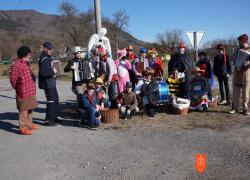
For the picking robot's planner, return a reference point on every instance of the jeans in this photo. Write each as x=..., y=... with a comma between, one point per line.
x=107, y=104
x=224, y=80
x=52, y=108
x=89, y=116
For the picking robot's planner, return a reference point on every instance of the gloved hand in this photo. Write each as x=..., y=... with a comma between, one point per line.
x=119, y=105
x=128, y=112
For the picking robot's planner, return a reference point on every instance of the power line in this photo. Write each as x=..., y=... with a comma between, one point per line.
x=19, y=3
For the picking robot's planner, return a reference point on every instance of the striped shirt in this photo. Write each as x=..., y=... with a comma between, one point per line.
x=174, y=85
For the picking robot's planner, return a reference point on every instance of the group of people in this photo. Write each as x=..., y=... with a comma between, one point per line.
x=100, y=82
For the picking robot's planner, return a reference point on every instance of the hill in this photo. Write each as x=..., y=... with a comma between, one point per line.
x=32, y=28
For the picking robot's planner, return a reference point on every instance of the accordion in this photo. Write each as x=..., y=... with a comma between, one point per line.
x=83, y=71
x=241, y=58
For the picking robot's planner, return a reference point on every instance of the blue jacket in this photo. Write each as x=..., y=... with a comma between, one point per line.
x=46, y=73
x=86, y=103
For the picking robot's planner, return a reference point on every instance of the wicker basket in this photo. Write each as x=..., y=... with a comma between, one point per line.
x=214, y=103
x=110, y=116
x=179, y=111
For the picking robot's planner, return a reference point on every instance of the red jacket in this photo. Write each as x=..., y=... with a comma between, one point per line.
x=21, y=79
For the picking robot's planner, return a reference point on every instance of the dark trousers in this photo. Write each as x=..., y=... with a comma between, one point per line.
x=89, y=116
x=52, y=108
x=113, y=93
x=150, y=110
x=223, y=81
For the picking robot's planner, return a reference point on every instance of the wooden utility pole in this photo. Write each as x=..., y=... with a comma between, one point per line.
x=98, y=18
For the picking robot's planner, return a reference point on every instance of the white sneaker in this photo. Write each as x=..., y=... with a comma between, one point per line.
x=223, y=102
x=233, y=111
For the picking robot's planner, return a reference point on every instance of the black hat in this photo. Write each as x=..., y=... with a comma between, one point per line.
x=23, y=51
x=129, y=85
x=48, y=45
x=243, y=38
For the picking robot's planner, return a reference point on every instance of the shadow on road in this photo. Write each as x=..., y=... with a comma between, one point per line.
x=68, y=113
x=7, y=126
x=9, y=116
x=7, y=97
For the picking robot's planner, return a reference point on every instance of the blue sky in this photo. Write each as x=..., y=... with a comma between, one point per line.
x=218, y=18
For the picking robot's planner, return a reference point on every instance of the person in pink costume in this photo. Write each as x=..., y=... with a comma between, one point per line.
x=123, y=65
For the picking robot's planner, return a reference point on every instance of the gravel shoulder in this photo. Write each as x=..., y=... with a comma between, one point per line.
x=142, y=148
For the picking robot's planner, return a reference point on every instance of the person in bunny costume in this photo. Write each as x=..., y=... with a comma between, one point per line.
x=123, y=65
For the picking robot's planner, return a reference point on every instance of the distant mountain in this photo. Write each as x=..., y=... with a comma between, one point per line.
x=28, y=25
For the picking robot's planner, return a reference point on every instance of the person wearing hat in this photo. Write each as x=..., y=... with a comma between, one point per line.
x=84, y=70
x=110, y=77
x=123, y=66
x=90, y=114
x=47, y=82
x=199, y=88
x=241, y=76
x=222, y=70
x=204, y=64
x=131, y=56
x=127, y=101
x=155, y=62
x=101, y=94
x=140, y=63
x=23, y=81
x=185, y=66
x=142, y=91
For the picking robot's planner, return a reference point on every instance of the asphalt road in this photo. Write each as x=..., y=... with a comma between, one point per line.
x=69, y=152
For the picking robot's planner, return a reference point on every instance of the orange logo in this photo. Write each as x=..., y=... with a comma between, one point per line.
x=200, y=162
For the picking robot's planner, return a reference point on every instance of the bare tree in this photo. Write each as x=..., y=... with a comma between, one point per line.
x=169, y=39
x=119, y=23
x=75, y=25
x=230, y=44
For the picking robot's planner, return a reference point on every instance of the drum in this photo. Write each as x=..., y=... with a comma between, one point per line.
x=158, y=93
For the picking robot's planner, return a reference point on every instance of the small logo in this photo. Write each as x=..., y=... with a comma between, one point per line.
x=200, y=162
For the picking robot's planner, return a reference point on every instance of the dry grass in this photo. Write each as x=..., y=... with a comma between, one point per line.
x=216, y=118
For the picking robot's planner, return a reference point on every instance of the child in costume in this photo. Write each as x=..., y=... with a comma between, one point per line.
x=102, y=96
x=174, y=83
x=127, y=101
x=199, y=89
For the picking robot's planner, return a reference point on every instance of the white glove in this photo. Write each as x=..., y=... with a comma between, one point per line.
x=119, y=105
x=128, y=112
x=247, y=63
x=73, y=67
x=228, y=75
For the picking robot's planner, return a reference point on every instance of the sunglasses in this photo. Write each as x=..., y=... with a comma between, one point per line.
x=130, y=50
